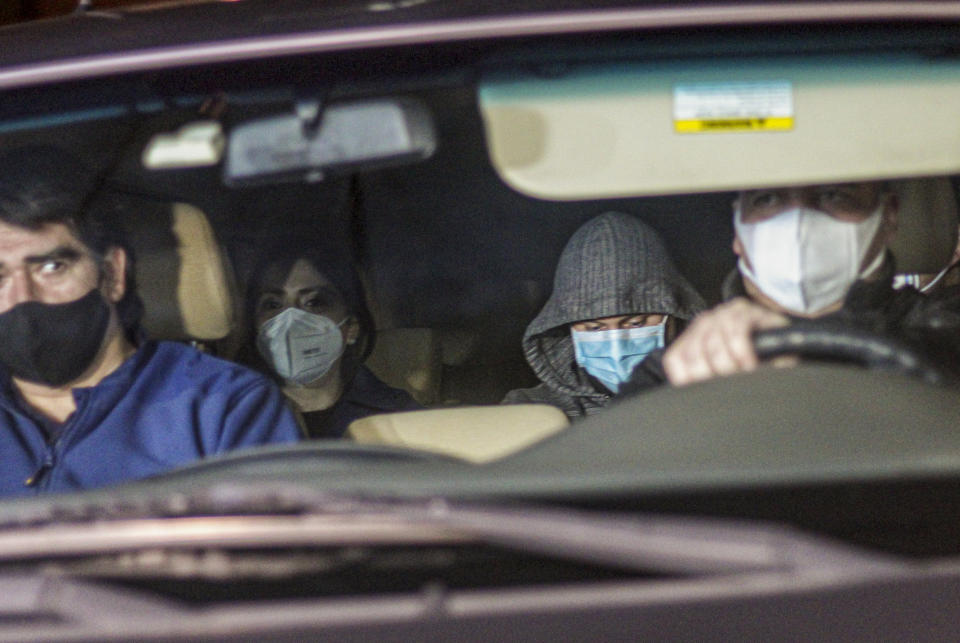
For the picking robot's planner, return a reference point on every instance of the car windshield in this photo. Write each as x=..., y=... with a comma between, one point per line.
x=353, y=290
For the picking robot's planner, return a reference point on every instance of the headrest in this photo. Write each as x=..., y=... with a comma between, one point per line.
x=181, y=273
x=475, y=433
x=408, y=358
x=927, y=225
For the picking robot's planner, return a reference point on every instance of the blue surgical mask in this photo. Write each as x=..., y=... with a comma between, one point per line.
x=611, y=355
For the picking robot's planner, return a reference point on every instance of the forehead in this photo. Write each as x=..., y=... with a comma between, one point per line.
x=301, y=275
x=17, y=242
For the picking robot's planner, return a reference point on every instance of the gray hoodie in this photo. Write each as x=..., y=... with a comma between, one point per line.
x=613, y=265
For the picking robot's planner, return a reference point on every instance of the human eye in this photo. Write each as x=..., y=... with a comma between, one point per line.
x=318, y=301
x=838, y=198
x=829, y=194
x=52, y=267
x=592, y=326
x=637, y=321
x=268, y=304
x=762, y=199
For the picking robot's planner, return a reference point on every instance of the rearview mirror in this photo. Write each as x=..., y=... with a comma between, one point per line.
x=309, y=143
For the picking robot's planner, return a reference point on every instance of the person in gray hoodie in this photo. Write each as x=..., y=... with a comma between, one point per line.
x=616, y=297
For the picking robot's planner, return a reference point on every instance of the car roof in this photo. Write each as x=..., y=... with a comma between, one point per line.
x=98, y=42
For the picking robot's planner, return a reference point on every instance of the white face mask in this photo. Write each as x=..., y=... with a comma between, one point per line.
x=300, y=346
x=804, y=259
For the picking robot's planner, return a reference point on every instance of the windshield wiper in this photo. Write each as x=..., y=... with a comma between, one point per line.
x=233, y=516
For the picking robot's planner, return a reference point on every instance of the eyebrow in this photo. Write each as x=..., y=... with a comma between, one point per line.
x=327, y=290
x=60, y=253
x=323, y=290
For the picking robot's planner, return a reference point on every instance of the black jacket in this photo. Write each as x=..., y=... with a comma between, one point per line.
x=365, y=395
x=928, y=323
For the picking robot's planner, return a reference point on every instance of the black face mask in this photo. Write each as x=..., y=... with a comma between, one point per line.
x=53, y=344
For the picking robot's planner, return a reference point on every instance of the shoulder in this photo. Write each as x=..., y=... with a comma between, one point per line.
x=538, y=393
x=942, y=309
x=910, y=308
x=182, y=356
x=368, y=390
x=543, y=394
x=180, y=365
x=206, y=404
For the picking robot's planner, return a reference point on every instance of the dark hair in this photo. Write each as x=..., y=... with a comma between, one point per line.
x=41, y=185
x=331, y=260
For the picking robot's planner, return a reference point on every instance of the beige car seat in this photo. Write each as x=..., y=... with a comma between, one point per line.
x=927, y=224
x=408, y=358
x=435, y=367
x=475, y=433
x=182, y=274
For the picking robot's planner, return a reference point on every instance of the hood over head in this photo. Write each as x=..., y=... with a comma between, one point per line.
x=614, y=264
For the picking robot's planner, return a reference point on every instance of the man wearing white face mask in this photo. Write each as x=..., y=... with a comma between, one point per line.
x=804, y=252
x=801, y=249
x=617, y=297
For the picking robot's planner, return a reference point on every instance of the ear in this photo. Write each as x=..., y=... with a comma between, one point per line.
x=737, y=246
x=351, y=331
x=115, y=274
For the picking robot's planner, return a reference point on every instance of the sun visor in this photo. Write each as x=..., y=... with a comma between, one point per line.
x=698, y=126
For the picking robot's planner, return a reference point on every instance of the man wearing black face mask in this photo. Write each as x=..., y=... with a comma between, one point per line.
x=84, y=401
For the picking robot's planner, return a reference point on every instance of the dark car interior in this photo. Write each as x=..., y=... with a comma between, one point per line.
x=443, y=244
x=455, y=261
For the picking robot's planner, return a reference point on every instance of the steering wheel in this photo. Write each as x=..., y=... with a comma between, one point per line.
x=832, y=342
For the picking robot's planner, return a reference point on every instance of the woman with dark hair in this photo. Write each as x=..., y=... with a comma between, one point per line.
x=312, y=330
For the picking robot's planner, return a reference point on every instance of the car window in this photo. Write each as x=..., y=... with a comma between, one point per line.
x=392, y=234
x=456, y=230
x=461, y=236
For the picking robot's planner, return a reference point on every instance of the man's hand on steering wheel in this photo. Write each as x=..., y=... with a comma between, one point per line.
x=736, y=336
x=719, y=342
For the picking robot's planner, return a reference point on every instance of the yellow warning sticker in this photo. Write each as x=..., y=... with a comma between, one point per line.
x=733, y=124
x=733, y=107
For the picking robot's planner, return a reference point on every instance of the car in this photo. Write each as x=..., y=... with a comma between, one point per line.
x=453, y=148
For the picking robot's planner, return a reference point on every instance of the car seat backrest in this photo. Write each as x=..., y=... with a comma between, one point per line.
x=408, y=358
x=927, y=224
x=182, y=274
x=475, y=433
